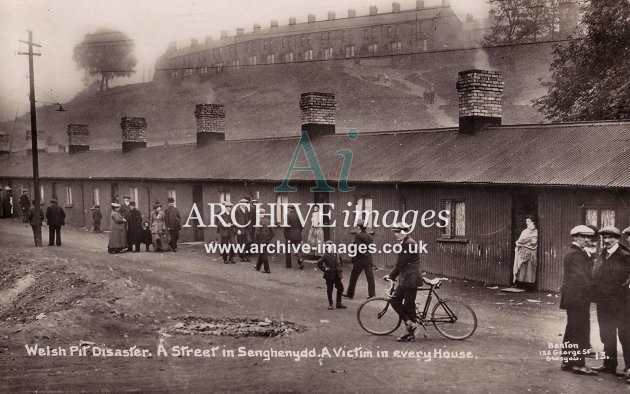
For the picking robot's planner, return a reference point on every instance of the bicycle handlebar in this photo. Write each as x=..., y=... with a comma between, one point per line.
x=435, y=283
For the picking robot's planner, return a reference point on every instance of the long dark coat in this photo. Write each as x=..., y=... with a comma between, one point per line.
x=55, y=215
x=330, y=264
x=264, y=234
x=117, y=231
x=610, y=274
x=577, y=284
x=134, y=227
x=407, y=266
x=172, y=218
x=294, y=231
x=245, y=235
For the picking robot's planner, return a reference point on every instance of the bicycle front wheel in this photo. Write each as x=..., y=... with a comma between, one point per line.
x=454, y=319
x=377, y=316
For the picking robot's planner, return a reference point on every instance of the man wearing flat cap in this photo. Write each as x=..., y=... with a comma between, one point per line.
x=55, y=217
x=610, y=274
x=408, y=267
x=263, y=234
x=243, y=234
x=173, y=223
x=362, y=262
x=226, y=233
x=576, y=296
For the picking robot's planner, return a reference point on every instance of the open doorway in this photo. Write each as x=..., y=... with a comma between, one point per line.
x=524, y=206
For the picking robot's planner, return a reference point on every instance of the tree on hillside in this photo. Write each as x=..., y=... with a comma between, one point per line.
x=106, y=53
x=589, y=76
x=521, y=21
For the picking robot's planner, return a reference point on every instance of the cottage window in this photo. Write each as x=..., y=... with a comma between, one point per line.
x=41, y=193
x=373, y=48
x=280, y=199
x=96, y=197
x=68, y=197
x=170, y=193
x=288, y=57
x=252, y=60
x=599, y=217
x=308, y=55
x=328, y=53
x=271, y=59
x=363, y=209
x=350, y=51
x=456, y=227
x=397, y=46
x=425, y=44
x=224, y=196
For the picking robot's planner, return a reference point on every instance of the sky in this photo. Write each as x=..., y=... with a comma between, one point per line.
x=58, y=25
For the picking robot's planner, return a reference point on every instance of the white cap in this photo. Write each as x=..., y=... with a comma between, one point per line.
x=582, y=230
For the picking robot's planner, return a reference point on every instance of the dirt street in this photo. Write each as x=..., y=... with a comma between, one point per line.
x=136, y=312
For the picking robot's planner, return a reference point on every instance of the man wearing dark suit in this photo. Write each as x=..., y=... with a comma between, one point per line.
x=362, y=262
x=243, y=234
x=56, y=217
x=611, y=274
x=576, y=296
x=293, y=236
x=408, y=267
x=173, y=223
x=227, y=234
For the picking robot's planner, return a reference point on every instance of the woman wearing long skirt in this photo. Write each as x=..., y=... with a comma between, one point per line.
x=117, y=231
x=316, y=232
x=525, y=254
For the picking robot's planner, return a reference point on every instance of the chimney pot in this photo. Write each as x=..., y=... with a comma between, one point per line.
x=78, y=138
x=318, y=112
x=419, y=4
x=210, y=120
x=331, y=16
x=352, y=13
x=395, y=6
x=134, y=133
x=480, y=94
x=311, y=18
x=292, y=20
x=373, y=10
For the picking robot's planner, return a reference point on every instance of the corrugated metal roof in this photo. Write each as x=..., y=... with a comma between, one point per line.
x=589, y=154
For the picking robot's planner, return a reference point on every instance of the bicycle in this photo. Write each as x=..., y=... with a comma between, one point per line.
x=453, y=319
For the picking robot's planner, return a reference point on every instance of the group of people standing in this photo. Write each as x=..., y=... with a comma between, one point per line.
x=604, y=279
x=128, y=230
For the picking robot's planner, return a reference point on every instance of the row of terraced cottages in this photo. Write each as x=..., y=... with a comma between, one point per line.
x=488, y=175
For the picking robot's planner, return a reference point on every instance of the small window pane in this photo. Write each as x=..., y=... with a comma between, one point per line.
x=447, y=230
x=608, y=217
x=591, y=217
x=460, y=219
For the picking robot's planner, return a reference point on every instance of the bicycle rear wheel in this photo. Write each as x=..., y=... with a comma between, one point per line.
x=454, y=319
x=377, y=316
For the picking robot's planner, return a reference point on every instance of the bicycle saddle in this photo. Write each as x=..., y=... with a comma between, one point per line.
x=434, y=281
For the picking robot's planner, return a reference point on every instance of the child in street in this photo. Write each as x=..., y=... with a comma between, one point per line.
x=146, y=235
x=96, y=219
x=330, y=264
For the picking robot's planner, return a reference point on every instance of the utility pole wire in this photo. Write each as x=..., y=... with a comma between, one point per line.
x=37, y=197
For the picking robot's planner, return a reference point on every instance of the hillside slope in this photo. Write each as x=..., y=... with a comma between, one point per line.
x=372, y=95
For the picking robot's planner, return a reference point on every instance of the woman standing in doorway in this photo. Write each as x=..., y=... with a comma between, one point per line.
x=525, y=254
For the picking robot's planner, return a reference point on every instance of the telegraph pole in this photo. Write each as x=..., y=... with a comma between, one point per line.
x=37, y=197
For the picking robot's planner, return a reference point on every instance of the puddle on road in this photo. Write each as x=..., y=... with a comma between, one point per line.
x=235, y=327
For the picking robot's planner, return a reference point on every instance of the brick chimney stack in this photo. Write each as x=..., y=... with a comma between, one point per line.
x=373, y=10
x=419, y=4
x=134, y=133
x=210, y=120
x=78, y=138
x=395, y=6
x=480, y=93
x=311, y=18
x=352, y=13
x=318, y=113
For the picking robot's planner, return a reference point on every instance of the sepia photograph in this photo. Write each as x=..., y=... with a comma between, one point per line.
x=345, y=196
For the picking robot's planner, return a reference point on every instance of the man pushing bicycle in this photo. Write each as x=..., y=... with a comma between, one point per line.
x=408, y=267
